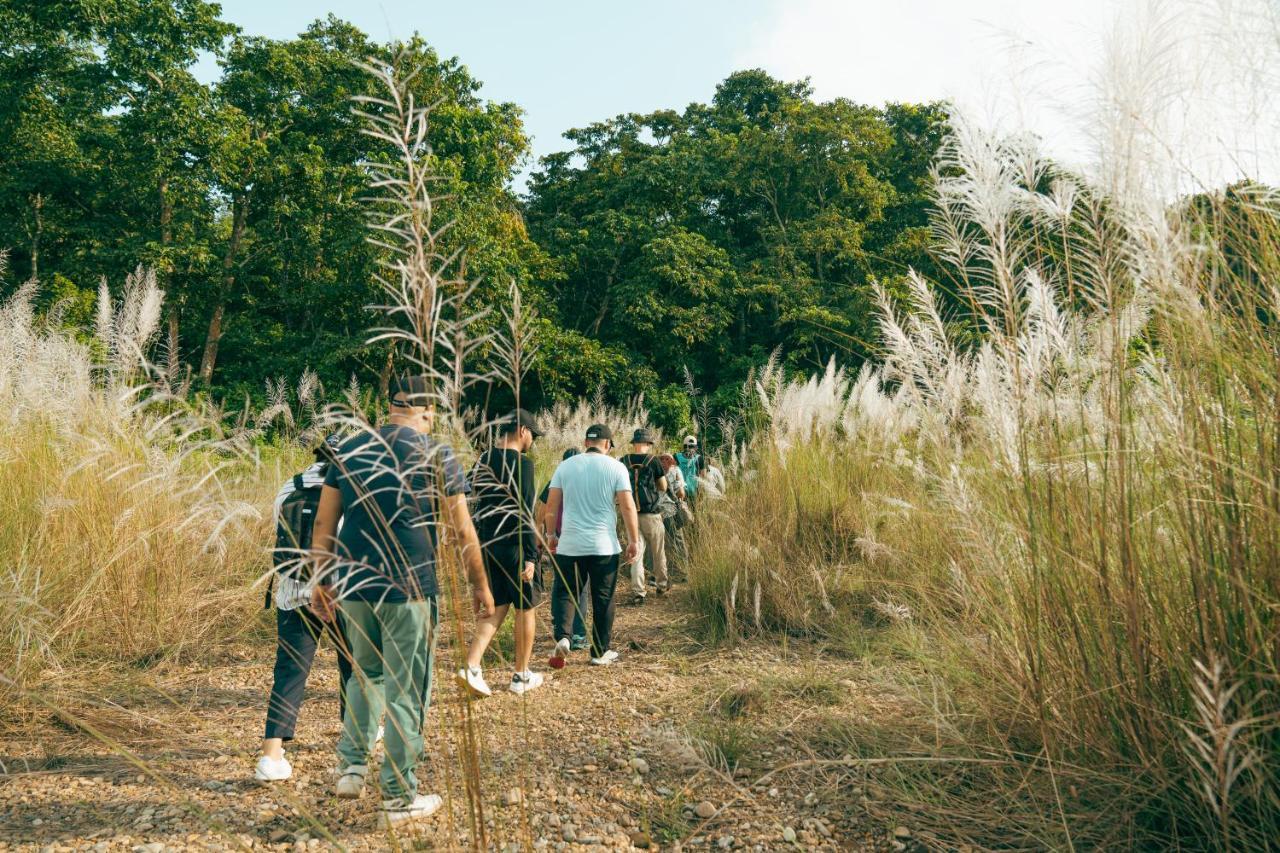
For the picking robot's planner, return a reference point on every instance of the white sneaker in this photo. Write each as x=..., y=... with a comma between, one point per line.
x=399, y=811
x=556, y=661
x=272, y=769
x=351, y=781
x=605, y=659
x=523, y=682
x=472, y=678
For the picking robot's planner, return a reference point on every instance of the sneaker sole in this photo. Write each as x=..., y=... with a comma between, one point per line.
x=258, y=777
x=350, y=795
x=524, y=690
x=387, y=820
x=466, y=685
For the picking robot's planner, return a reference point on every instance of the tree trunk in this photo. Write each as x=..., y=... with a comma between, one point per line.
x=166, y=237
x=38, y=204
x=239, y=212
x=384, y=377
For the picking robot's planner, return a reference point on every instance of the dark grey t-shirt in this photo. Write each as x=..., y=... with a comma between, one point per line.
x=391, y=481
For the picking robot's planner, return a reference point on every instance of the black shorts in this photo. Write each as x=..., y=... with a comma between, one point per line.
x=503, y=564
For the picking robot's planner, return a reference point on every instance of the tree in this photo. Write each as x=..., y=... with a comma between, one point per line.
x=709, y=238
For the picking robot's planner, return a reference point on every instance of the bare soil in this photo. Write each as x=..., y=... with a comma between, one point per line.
x=678, y=746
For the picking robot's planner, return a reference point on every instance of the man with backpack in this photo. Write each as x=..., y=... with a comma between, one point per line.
x=648, y=483
x=298, y=628
x=503, y=481
x=393, y=487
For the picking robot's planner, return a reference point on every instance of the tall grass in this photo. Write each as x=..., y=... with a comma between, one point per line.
x=1080, y=513
x=129, y=523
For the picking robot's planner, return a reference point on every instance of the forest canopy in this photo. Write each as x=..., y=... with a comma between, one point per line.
x=662, y=251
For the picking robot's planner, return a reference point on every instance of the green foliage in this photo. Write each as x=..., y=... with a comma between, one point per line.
x=702, y=239
x=707, y=239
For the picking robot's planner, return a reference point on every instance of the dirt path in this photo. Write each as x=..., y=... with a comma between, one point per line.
x=668, y=749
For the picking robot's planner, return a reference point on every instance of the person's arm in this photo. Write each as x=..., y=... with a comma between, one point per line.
x=469, y=545
x=549, y=515
x=528, y=533
x=324, y=545
x=659, y=476
x=627, y=506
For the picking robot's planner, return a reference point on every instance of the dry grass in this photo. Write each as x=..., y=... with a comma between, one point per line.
x=129, y=534
x=1075, y=523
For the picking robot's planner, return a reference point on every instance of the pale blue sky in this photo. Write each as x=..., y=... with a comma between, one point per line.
x=566, y=63
x=1018, y=64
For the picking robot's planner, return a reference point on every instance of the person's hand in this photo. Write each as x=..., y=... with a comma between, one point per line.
x=482, y=598
x=323, y=603
x=552, y=541
x=629, y=556
x=527, y=574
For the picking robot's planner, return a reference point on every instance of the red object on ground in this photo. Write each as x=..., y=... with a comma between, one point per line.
x=555, y=662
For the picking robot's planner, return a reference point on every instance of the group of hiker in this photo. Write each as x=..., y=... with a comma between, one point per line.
x=355, y=555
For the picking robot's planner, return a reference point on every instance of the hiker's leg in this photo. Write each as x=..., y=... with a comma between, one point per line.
x=295, y=650
x=526, y=602
x=486, y=630
x=654, y=536
x=604, y=579
x=338, y=634
x=564, y=597
x=407, y=631
x=580, y=611
x=637, y=567
x=365, y=696
x=526, y=626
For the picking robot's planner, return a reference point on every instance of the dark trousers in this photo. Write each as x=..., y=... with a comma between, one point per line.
x=580, y=612
x=574, y=573
x=298, y=633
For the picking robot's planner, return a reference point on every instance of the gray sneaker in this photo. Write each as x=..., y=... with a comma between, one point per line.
x=398, y=811
x=351, y=781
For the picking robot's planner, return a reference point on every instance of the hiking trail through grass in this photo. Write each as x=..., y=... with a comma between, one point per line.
x=678, y=746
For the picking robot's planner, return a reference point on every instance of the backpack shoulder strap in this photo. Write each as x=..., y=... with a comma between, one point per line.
x=297, y=482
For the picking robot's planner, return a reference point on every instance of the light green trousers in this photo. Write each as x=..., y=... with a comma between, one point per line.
x=393, y=646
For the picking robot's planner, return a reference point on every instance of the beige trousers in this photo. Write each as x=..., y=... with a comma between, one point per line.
x=653, y=545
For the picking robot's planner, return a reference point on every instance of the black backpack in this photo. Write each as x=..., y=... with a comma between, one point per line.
x=646, y=490
x=294, y=530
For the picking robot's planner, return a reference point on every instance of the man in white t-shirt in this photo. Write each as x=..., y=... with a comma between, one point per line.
x=589, y=486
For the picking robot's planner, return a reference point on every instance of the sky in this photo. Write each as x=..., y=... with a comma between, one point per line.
x=1016, y=64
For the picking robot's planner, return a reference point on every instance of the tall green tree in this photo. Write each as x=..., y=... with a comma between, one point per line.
x=704, y=240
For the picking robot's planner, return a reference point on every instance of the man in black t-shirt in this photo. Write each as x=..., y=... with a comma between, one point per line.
x=648, y=482
x=503, y=481
x=392, y=487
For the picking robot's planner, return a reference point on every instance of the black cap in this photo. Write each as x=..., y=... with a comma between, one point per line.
x=643, y=436
x=516, y=419
x=326, y=451
x=595, y=432
x=416, y=389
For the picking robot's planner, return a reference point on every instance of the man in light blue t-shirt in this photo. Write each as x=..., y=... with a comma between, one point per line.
x=589, y=486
